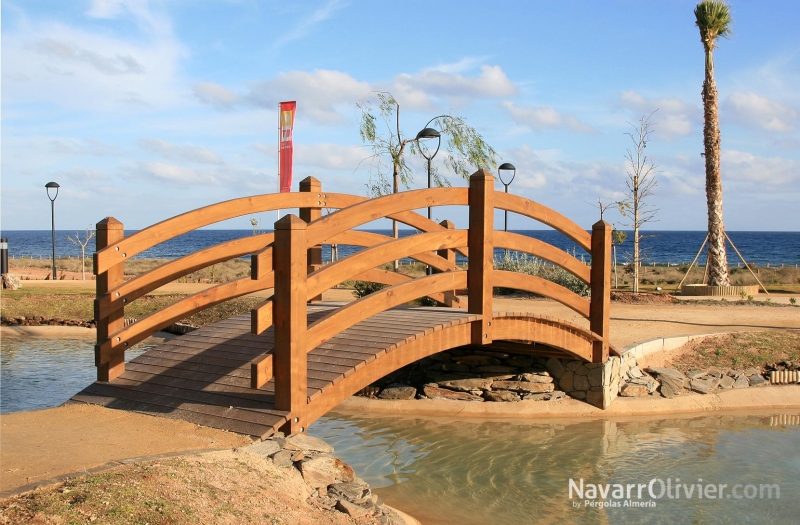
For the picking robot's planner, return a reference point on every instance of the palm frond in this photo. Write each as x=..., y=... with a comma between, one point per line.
x=714, y=19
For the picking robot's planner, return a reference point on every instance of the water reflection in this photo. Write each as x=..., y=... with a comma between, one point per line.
x=518, y=472
x=38, y=372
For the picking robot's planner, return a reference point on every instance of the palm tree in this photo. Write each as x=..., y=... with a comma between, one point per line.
x=713, y=18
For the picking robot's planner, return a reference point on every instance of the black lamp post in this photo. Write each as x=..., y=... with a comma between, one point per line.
x=506, y=167
x=429, y=133
x=49, y=186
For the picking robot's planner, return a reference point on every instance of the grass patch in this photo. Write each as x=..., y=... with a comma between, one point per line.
x=741, y=350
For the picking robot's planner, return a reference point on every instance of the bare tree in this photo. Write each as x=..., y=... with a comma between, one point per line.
x=82, y=243
x=255, y=224
x=641, y=180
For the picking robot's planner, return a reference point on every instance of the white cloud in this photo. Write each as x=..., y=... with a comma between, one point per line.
x=172, y=151
x=674, y=117
x=767, y=172
x=751, y=109
x=492, y=82
x=308, y=23
x=173, y=174
x=544, y=117
x=322, y=155
x=215, y=95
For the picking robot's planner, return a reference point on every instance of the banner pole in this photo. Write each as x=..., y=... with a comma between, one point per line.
x=278, y=211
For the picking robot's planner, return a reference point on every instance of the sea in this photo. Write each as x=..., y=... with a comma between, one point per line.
x=659, y=247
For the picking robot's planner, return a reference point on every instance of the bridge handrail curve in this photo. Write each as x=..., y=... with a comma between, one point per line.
x=549, y=289
x=545, y=215
x=543, y=250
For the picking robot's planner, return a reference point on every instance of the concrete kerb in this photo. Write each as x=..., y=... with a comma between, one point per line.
x=661, y=344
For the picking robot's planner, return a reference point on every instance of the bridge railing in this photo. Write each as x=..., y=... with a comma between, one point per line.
x=295, y=285
x=113, y=249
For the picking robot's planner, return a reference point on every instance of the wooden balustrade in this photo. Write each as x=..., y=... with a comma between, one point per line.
x=600, y=319
x=110, y=363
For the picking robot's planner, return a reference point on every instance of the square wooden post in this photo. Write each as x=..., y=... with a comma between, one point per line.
x=450, y=255
x=600, y=307
x=108, y=232
x=290, y=362
x=481, y=254
x=312, y=185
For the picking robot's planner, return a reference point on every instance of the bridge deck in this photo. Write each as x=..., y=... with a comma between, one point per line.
x=204, y=376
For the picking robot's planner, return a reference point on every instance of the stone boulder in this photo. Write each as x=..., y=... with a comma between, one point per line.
x=672, y=381
x=397, y=391
x=523, y=386
x=467, y=385
x=322, y=471
x=308, y=444
x=442, y=393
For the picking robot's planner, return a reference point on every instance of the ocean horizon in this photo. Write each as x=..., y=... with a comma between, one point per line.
x=660, y=247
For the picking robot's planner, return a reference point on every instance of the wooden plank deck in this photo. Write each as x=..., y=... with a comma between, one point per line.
x=204, y=376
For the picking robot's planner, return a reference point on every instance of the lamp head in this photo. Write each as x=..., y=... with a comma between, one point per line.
x=428, y=133
x=506, y=166
x=49, y=186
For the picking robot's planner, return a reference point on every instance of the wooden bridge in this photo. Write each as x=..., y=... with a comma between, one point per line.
x=295, y=358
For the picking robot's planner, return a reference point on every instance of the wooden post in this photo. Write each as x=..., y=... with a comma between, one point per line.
x=290, y=362
x=481, y=254
x=450, y=255
x=109, y=232
x=312, y=185
x=600, y=308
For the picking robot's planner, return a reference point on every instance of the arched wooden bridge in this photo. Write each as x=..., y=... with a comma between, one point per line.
x=295, y=357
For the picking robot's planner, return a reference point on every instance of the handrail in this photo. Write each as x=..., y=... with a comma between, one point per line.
x=376, y=302
x=542, y=250
x=131, y=290
x=545, y=215
x=540, y=286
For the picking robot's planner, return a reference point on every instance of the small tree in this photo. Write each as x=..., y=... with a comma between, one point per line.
x=617, y=237
x=641, y=179
x=82, y=243
x=464, y=147
x=255, y=224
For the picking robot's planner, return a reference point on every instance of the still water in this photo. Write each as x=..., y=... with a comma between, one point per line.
x=466, y=472
x=518, y=472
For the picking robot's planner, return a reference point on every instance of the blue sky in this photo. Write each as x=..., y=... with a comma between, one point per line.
x=144, y=110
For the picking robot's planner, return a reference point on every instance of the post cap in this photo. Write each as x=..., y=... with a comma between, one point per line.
x=291, y=222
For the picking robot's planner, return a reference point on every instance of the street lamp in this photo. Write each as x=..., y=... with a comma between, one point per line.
x=49, y=186
x=429, y=133
x=506, y=167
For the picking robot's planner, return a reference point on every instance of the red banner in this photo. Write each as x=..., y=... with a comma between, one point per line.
x=287, y=110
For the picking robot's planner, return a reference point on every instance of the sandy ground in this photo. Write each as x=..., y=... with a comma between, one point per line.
x=38, y=446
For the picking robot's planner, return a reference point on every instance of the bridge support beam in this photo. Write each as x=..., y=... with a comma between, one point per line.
x=290, y=363
x=600, y=307
x=481, y=254
x=312, y=185
x=109, y=232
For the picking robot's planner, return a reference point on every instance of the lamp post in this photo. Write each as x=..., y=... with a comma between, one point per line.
x=429, y=133
x=506, y=167
x=49, y=186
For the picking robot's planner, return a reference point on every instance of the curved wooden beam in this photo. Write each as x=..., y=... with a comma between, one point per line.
x=367, y=239
x=543, y=214
x=525, y=326
x=140, y=330
x=355, y=312
x=341, y=270
x=397, y=206
x=376, y=275
x=542, y=250
x=537, y=285
x=127, y=247
x=157, y=277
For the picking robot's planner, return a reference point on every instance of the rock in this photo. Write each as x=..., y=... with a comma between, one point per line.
x=442, y=393
x=695, y=374
x=734, y=373
x=453, y=367
x=565, y=383
x=702, y=386
x=267, y=447
x=580, y=382
x=555, y=367
x=595, y=376
x=283, y=459
x=307, y=444
x=634, y=372
x=595, y=398
x=757, y=380
x=715, y=373
x=751, y=371
x=521, y=362
x=477, y=360
x=501, y=395
x=633, y=390
x=536, y=378
x=578, y=394
x=741, y=382
x=495, y=377
x=351, y=509
x=353, y=491
x=398, y=392
x=573, y=365
x=554, y=395
x=11, y=282
x=523, y=386
x=582, y=371
x=322, y=502
x=672, y=381
x=297, y=455
x=497, y=369
x=442, y=357
x=726, y=382
x=325, y=470
x=466, y=385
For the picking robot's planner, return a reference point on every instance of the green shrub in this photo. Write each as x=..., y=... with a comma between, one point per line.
x=517, y=262
x=562, y=277
x=364, y=288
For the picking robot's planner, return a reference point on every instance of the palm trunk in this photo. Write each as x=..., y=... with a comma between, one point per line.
x=717, y=259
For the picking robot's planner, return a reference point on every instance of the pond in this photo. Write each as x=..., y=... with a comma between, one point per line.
x=447, y=471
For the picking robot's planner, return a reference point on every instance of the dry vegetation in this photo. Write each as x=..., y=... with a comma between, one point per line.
x=740, y=351
x=219, y=487
x=786, y=279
